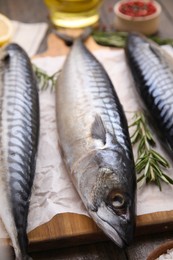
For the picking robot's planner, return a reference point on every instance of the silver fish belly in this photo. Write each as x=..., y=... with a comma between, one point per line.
x=94, y=139
x=19, y=129
x=152, y=69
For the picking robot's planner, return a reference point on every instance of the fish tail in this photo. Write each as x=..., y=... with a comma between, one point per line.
x=69, y=40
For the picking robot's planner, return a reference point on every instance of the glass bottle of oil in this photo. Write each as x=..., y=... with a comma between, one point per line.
x=73, y=13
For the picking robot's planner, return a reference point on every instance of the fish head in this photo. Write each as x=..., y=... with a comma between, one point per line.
x=136, y=39
x=109, y=188
x=115, y=215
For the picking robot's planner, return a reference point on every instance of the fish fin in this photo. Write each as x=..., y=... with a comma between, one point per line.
x=98, y=130
x=69, y=40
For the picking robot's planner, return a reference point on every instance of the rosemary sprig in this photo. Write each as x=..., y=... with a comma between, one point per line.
x=118, y=39
x=112, y=39
x=44, y=80
x=150, y=164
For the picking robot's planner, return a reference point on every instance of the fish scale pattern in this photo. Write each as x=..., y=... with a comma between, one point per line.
x=19, y=137
x=153, y=74
x=106, y=102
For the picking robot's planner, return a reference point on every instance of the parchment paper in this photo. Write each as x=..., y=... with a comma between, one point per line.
x=29, y=35
x=53, y=192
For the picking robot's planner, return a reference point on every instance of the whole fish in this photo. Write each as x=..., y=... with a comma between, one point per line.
x=94, y=138
x=152, y=69
x=19, y=129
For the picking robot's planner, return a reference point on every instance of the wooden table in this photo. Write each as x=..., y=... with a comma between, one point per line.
x=35, y=11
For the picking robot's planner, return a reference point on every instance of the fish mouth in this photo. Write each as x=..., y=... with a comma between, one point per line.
x=114, y=234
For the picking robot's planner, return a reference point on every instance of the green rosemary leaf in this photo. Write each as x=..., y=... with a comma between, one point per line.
x=150, y=138
x=44, y=80
x=136, y=119
x=160, y=159
x=168, y=178
x=149, y=164
x=159, y=184
x=113, y=39
x=141, y=145
x=135, y=137
x=161, y=41
x=118, y=39
x=141, y=178
x=157, y=170
x=147, y=167
x=139, y=167
x=164, y=179
x=140, y=163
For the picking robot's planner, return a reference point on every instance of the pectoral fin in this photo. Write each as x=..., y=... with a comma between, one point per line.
x=98, y=130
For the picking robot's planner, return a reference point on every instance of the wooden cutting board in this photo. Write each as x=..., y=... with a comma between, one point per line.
x=72, y=229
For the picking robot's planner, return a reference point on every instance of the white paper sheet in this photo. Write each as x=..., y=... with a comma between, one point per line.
x=53, y=191
x=29, y=35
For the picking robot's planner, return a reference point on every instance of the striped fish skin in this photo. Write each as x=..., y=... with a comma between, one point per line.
x=19, y=130
x=152, y=69
x=95, y=144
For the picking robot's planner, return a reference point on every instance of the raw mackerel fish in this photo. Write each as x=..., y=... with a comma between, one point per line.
x=152, y=69
x=19, y=128
x=95, y=144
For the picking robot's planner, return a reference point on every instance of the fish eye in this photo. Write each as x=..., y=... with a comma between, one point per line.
x=116, y=200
